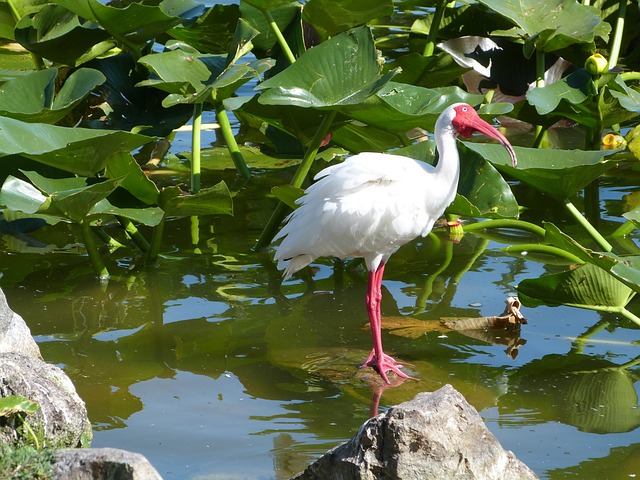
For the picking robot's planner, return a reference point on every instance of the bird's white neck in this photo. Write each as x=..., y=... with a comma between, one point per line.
x=448, y=168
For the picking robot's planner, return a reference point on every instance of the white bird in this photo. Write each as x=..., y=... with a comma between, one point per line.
x=372, y=204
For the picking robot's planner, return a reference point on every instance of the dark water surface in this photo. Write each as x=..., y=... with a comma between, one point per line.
x=211, y=368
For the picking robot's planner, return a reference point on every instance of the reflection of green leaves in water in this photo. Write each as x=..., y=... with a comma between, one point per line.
x=591, y=394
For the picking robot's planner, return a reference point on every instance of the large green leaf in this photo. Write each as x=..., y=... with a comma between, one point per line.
x=218, y=158
x=330, y=17
x=551, y=25
x=572, y=89
x=77, y=150
x=208, y=201
x=137, y=22
x=126, y=106
x=282, y=12
x=20, y=196
x=191, y=77
x=32, y=98
x=560, y=173
x=123, y=165
x=299, y=122
x=56, y=34
x=341, y=71
x=13, y=404
x=150, y=216
x=624, y=269
x=212, y=32
x=72, y=198
x=400, y=107
x=586, y=287
x=183, y=71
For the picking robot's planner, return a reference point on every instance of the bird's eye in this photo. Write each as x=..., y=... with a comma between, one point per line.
x=464, y=109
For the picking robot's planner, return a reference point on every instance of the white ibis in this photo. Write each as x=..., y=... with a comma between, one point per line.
x=372, y=204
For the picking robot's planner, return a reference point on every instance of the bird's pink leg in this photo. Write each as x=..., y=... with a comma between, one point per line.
x=377, y=358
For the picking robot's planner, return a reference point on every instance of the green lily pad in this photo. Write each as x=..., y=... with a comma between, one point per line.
x=13, y=404
x=301, y=123
x=341, y=71
x=18, y=100
x=551, y=25
x=208, y=201
x=136, y=22
x=20, y=196
x=284, y=13
x=123, y=165
x=587, y=286
x=52, y=33
x=191, y=77
x=128, y=107
x=218, y=158
x=330, y=17
x=572, y=89
x=72, y=198
x=624, y=269
x=76, y=150
x=400, y=107
x=150, y=216
x=212, y=32
x=560, y=173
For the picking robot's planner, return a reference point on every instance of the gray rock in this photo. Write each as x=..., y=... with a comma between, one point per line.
x=62, y=417
x=15, y=336
x=436, y=436
x=102, y=464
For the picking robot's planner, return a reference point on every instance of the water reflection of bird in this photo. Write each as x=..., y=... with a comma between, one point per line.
x=372, y=204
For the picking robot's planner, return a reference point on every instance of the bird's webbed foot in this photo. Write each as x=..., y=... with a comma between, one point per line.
x=386, y=364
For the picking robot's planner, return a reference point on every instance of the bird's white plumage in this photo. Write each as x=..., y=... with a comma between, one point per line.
x=372, y=204
x=369, y=206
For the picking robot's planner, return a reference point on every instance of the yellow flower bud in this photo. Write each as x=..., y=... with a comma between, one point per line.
x=596, y=64
x=612, y=141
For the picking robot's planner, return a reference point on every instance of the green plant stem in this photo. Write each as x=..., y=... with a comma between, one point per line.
x=432, y=38
x=156, y=241
x=506, y=223
x=630, y=364
x=93, y=251
x=630, y=315
x=628, y=76
x=281, y=209
x=606, y=246
x=546, y=249
x=541, y=137
x=33, y=435
x=195, y=148
x=540, y=130
x=230, y=140
x=427, y=287
x=614, y=51
x=625, y=229
x=195, y=234
x=134, y=234
x=281, y=40
x=604, y=308
x=108, y=239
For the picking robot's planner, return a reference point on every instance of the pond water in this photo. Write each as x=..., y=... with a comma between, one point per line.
x=212, y=368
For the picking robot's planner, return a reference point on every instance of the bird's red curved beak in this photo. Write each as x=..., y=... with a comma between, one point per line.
x=487, y=129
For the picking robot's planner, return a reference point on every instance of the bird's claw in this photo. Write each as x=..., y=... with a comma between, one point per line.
x=386, y=364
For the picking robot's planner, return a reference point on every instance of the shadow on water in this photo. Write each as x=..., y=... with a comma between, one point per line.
x=211, y=368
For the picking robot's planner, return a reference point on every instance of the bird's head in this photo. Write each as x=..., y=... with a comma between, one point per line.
x=466, y=122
